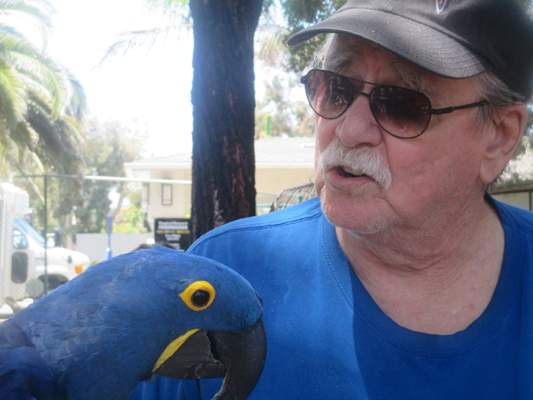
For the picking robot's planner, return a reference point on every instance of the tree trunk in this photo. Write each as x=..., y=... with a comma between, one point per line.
x=223, y=98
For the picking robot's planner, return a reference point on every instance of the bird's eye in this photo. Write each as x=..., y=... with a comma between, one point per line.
x=199, y=295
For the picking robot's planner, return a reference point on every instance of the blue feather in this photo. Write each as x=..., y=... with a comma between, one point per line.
x=23, y=375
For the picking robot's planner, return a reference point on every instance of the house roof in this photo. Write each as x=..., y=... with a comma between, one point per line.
x=279, y=152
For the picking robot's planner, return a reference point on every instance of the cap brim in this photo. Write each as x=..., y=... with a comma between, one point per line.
x=419, y=43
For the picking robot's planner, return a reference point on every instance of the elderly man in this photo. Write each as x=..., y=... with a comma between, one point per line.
x=405, y=280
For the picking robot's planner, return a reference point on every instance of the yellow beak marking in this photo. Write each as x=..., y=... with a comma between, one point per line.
x=172, y=348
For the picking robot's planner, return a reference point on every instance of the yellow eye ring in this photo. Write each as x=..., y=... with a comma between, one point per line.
x=199, y=295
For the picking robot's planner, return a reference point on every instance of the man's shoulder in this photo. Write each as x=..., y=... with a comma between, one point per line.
x=515, y=218
x=291, y=217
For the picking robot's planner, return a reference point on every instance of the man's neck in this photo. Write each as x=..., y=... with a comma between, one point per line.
x=434, y=281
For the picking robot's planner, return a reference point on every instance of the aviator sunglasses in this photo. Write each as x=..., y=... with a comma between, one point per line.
x=401, y=112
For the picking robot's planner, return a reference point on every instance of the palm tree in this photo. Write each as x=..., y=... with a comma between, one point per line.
x=40, y=102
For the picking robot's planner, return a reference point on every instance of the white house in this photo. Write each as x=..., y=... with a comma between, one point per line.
x=281, y=163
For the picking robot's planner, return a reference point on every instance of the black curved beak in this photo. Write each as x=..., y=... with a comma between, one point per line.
x=237, y=356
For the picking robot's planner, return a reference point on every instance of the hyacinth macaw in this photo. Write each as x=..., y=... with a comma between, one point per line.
x=156, y=311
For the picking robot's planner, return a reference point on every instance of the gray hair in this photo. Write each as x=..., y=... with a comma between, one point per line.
x=496, y=92
x=329, y=56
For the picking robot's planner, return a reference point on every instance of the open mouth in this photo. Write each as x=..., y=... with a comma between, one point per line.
x=347, y=174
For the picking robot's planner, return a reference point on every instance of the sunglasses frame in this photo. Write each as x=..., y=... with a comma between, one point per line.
x=431, y=111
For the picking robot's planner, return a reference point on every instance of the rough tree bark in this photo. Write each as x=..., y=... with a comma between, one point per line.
x=223, y=98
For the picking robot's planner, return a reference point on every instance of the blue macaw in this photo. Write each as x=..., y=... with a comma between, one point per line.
x=156, y=311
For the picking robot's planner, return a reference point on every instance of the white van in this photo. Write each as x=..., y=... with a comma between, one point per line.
x=22, y=254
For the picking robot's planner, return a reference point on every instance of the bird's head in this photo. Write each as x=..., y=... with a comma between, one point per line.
x=211, y=314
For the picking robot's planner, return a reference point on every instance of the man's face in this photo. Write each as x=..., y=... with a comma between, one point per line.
x=411, y=182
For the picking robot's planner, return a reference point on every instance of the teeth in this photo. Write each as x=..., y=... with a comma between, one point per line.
x=350, y=173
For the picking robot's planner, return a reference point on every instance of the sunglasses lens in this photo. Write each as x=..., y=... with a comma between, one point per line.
x=329, y=94
x=402, y=112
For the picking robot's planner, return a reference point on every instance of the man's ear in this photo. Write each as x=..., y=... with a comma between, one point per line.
x=502, y=137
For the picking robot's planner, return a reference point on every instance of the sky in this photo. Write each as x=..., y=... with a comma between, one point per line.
x=147, y=88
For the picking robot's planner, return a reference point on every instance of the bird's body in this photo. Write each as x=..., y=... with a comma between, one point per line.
x=102, y=333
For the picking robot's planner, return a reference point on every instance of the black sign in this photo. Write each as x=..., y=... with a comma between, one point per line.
x=175, y=232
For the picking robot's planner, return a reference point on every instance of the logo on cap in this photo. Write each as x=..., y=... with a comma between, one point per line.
x=440, y=5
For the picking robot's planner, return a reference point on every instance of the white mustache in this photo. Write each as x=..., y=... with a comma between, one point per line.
x=357, y=161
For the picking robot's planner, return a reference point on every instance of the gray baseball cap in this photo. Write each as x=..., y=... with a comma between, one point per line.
x=452, y=38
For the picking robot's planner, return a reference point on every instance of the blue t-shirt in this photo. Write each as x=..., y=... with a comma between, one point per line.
x=328, y=339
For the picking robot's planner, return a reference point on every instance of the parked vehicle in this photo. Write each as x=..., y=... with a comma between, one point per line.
x=22, y=255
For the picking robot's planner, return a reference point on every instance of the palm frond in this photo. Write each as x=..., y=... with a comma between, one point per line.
x=60, y=140
x=25, y=138
x=176, y=21
x=144, y=38
x=77, y=104
x=176, y=10
x=38, y=10
x=39, y=73
x=12, y=96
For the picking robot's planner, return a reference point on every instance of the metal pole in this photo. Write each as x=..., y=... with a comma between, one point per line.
x=45, y=234
x=109, y=250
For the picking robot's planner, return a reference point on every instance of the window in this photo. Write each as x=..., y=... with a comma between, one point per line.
x=166, y=194
x=146, y=194
x=19, y=240
x=19, y=267
x=27, y=229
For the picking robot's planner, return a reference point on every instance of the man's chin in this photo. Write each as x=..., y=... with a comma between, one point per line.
x=359, y=216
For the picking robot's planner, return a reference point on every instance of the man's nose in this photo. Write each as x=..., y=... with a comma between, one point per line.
x=357, y=126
